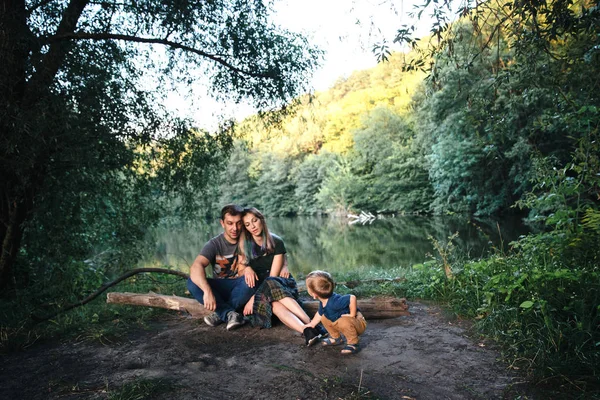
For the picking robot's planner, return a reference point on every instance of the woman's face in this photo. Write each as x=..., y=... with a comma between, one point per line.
x=253, y=224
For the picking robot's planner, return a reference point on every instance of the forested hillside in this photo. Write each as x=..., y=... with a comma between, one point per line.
x=462, y=137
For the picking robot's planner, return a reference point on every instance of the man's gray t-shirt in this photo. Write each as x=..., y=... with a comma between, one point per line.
x=222, y=256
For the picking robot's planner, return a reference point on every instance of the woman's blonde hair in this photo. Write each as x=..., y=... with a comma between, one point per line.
x=320, y=283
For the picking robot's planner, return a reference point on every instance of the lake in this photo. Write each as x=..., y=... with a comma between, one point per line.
x=335, y=245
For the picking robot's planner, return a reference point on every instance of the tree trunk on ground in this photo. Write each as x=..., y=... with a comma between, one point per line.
x=355, y=283
x=374, y=308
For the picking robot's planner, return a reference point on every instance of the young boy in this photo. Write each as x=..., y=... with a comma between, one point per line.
x=338, y=314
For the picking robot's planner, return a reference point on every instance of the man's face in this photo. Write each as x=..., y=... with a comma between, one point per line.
x=232, y=226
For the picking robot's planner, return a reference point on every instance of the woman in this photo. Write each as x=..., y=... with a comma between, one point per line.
x=263, y=256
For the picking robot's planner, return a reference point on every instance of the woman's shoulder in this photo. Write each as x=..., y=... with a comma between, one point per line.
x=279, y=244
x=276, y=237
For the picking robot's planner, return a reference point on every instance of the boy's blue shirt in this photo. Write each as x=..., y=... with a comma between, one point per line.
x=337, y=305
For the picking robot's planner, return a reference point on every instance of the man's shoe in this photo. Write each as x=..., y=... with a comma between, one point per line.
x=213, y=319
x=234, y=320
x=311, y=336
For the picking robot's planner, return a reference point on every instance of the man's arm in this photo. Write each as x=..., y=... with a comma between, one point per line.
x=249, y=275
x=198, y=276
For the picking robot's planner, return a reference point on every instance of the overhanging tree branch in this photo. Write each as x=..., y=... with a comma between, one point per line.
x=107, y=285
x=165, y=42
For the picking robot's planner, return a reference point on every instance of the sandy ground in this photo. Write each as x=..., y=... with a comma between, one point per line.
x=422, y=356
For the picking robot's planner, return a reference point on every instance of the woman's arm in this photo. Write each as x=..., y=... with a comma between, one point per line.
x=285, y=272
x=277, y=264
x=352, y=307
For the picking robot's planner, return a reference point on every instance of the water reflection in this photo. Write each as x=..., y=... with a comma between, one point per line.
x=334, y=245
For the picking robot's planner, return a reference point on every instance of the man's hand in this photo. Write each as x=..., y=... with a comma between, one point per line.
x=285, y=272
x=209, y=301
x=348, y=315
x=249, y=306
x=250, y=277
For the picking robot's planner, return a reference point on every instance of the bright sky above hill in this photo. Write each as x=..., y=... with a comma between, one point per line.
x=345, y=29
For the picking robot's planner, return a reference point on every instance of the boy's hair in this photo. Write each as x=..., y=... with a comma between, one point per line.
x=320, y=283
x=231, y=209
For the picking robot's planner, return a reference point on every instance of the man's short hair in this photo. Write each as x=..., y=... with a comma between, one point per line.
x=321, y=283
x=231, y=209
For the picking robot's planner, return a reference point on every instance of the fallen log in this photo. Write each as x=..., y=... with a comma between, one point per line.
x=373, y=308
x=355, y=283
x=105, y=286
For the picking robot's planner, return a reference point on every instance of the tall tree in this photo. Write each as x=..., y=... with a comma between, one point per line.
x=392, y=164
x=72, y=98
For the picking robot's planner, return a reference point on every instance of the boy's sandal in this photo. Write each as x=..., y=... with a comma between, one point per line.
x=351, y=349
x=331, y=341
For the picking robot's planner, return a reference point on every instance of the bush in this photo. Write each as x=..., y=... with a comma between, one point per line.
x=541, y=303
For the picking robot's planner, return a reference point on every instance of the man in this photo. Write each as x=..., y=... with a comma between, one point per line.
x=225, y=293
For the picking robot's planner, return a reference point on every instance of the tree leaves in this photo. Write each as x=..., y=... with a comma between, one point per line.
x=80, y=121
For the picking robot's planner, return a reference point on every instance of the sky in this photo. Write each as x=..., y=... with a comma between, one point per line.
x=345, y=29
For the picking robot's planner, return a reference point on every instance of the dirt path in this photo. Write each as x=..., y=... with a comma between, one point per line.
x=419, y=357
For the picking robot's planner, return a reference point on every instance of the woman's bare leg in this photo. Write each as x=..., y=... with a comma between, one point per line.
x=287, y=317
x=295, y=308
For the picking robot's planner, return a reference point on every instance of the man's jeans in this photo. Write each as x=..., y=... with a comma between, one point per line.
x=230, y=294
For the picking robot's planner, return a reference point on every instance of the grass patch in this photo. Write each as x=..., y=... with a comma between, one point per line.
x=292, y=369
x=140, y=389
x=95, y=321
x=358, y=393
x=541, y=303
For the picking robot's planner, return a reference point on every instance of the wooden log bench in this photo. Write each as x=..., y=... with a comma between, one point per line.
x=372, y=308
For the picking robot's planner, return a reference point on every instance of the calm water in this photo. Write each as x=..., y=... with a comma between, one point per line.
x=334, y=245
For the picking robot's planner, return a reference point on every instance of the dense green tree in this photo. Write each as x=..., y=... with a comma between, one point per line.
x=394, y=166
x=274, y=191
x=73, y=106
x=236, y=183
x=309, y=177
x=342, y=188
x=477, y=126
x=502, y=88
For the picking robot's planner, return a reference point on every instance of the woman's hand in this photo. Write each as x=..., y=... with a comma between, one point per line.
x=348, y=315
x=249, y=306
x=285, y=272
x=250, y=277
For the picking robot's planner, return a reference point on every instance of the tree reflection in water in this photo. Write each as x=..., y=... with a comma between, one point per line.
x=334, y=245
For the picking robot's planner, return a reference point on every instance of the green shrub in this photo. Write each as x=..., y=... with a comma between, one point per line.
x=541, y=303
